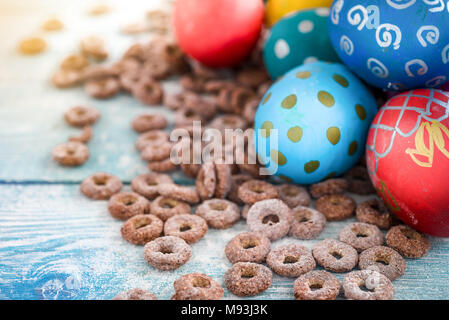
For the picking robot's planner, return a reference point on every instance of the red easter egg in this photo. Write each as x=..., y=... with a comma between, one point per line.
x=218, y=33
x=408, y=158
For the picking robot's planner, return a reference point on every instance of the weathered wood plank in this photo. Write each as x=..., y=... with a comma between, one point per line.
x=55, y=244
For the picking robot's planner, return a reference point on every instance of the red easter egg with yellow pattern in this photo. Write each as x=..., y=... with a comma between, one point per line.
x=408, y=158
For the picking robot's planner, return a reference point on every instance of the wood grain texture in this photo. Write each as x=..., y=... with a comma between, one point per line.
x=56, y=244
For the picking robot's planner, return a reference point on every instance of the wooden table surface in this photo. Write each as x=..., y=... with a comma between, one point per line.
x=55, y=243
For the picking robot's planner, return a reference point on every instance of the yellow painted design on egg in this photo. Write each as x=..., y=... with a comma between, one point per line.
x=341, y=80
x=311, y=166
x=266, y=98
x=303, y=74
x=294, y=134
x=267, y=126
x=361, y=112
x=333, y=135
x=326, y=98
x=278, y=157
x=353, y=148
x=289, y=102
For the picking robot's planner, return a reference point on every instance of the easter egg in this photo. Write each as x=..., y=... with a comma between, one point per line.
x=407, y=158
x=312, y=123
x=219, y=33
x=393, y=44
x=276, y=9
x=298, y=38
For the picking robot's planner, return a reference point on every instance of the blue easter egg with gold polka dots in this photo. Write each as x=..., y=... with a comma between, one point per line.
x=300, y=37
x=313, y=122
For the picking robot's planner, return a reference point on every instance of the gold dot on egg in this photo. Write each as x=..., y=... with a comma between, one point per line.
x=294, y=134
x=303, y=74
x=33, y=45
x=267, y=126
x=333, y=135
x=266, y=98
x=289, y=102
x=278, y=157
x=361, y=112
x=353, y=148
x=326, y=98
x=341, y=80
x=330, y=175
x=284, y=177
x=311, y=166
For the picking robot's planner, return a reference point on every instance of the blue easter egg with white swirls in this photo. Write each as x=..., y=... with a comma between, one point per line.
x=393, y=44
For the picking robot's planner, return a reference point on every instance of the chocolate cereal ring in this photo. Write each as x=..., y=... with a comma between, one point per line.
x=379, y=286
x=224, y=180
x=135, y=294
x=245, y=211
x=167, y=253
x=359, y=181
x=335, y=256
x=384, y=260
x=71, y=154
x=206, y=181
x=293, y=195
x=316, y=285
x=100, y=186
x=147, y=184
x=142, y=228
x=248, y=279
x=219, y=213
x=81, y=116
x=189, y=227
x=156, y=153
x=197, y=286
x=148, y=91
x=248, y=247
x=291, y=260
x=374, y=212
x=147, y=122
x=125, y=205
x=165, y=165
x=336, y=206
x=237, y=181
x=330, y=186
x=103, y=88
x=153, y=138
x=361, y=236
x=407, y=241
x=253, y=191
x=85, y=136
x=182, y=193
x=166, y=207
x=270, y=217
x=307, y=223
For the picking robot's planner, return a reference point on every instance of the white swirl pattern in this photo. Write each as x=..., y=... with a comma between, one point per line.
x=399, y=4
x=385, y=30
x=358, y=16
x=346, y=45
x=335, y=14
x=377, y=68
x=445, y=54
x=439, y=3
x=436, y=82
x=421, y=71
x=432, y=35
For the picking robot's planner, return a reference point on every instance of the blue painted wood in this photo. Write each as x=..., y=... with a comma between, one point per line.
x=56, y=244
